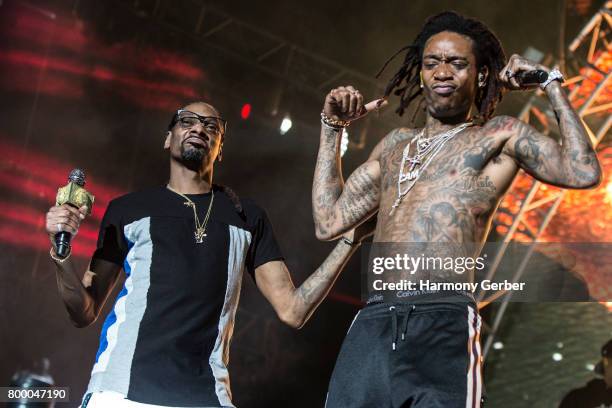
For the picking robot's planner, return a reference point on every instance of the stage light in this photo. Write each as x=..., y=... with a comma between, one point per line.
x=557, y=356
x=245, y=112
x=498, y=345
x=285, y=125
x=344, y=142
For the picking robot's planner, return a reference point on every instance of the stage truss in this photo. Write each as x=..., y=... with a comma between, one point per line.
x=590, y=92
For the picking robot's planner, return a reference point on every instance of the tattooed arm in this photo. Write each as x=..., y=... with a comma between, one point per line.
x=571, y=164
x=336, y=206
x=294, y=306
x=339, y=206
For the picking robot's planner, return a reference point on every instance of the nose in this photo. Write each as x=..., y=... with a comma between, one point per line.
x=198, y=130
x=443, y=73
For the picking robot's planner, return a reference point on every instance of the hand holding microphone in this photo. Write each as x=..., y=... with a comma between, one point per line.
x=521, y=73
x=73, y=204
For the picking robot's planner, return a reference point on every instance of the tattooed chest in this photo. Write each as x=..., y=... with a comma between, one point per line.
x=451, y=201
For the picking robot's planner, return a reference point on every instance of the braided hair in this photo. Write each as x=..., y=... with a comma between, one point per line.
x=487, y=50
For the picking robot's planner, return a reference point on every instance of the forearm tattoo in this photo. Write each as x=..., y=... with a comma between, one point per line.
x=336, y=206
x=316, y=287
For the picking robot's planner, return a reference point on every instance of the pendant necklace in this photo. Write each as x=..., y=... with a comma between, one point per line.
x=200, y=227
x=425, y=149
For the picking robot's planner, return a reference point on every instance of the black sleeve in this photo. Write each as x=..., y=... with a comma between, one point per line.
x=264, y=247
x=572, y=400
x=112, y=245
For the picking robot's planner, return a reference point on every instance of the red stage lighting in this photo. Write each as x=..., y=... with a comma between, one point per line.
x=245, y=112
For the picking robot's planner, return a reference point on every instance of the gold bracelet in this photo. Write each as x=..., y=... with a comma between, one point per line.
x=53, y=255
x=336, y=124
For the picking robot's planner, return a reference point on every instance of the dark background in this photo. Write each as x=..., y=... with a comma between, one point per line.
x=93, y=85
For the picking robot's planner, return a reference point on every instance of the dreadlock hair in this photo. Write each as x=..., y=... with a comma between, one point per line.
x=487, y=50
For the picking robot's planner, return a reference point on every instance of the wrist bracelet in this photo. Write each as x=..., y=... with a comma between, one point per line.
x=553, y=75
x=330, y=127
x=336, y=124
x=53, y=255
x=349, y=242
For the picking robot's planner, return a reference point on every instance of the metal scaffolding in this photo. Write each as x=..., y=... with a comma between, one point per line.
x=590, y=53
x=291, y=64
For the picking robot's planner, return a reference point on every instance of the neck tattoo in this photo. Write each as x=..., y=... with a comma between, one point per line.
x=419, y=157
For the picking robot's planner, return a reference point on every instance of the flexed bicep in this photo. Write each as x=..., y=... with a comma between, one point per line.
x=536, y=154
x=548, y=161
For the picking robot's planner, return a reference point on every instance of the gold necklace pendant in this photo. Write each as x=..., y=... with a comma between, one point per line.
x=199, y=233
x=200, y=227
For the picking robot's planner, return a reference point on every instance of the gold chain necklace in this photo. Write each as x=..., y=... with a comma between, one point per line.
x=200, y=227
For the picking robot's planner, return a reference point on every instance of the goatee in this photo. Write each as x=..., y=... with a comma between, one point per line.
x=192, y=158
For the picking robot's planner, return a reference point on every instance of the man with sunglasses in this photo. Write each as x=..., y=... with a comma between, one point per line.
x=183, y=248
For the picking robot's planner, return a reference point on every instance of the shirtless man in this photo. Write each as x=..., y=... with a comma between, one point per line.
x=458, y=66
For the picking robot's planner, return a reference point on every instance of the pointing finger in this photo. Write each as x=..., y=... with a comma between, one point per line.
x=375, y=105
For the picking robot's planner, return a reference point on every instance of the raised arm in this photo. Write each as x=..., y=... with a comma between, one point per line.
x=338, y=206
x=82, y=297
x=570, y=164
x=294, y=306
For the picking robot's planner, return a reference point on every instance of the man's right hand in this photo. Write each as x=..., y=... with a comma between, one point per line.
x=346, y=103
x=64, y=218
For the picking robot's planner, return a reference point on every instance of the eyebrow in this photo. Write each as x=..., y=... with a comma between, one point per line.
x=450, y=58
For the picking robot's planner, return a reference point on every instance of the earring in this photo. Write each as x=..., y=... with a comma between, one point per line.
x=481, y=80
x=421, y=76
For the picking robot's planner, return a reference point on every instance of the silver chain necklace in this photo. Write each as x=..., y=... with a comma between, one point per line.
x=426, y=150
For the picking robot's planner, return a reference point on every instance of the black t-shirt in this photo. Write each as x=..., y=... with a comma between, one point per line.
x=166, y=341
x=594, y=395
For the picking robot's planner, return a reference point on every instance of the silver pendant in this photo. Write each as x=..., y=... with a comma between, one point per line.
x=414, y=161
